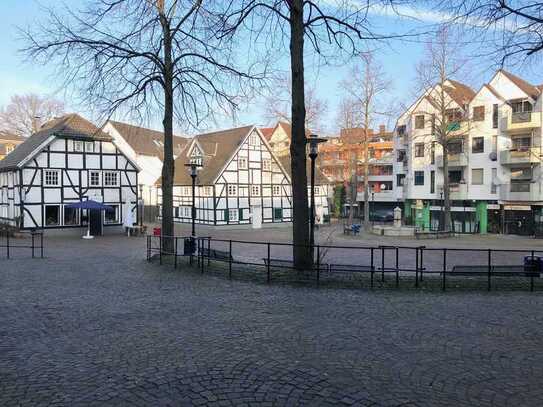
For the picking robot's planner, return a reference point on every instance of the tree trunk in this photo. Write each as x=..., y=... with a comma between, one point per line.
x=446, y=193
x=366, y=182
x=168, y=162
x=353, y=188
x=300, y=214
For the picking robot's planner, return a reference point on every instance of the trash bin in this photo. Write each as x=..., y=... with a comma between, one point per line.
x=533, y=265
x=157, y=231
x=189, y=246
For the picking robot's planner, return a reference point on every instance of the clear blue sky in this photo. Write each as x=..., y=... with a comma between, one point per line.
x=398, y=59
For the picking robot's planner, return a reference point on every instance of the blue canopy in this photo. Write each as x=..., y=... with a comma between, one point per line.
x=90, y=204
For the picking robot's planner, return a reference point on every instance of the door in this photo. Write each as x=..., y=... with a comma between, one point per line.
x=96, y=223
x=256, y=216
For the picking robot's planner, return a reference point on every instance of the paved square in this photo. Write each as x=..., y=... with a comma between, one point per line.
x=94, y=324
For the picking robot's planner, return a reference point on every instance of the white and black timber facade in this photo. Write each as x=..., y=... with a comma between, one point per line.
x=68, y=160
x=240, y=181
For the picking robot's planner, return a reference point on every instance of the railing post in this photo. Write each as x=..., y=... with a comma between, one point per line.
x=489, y=268
x=397, y=267
x=382, y=264
x=532, y=275
x=208, y=250
x=230, y=259
x=318, y=265
x=268, y=264
x=32, y=234
x=416, y=267
x=421, y=260
x=443, y=284
x=175, y=252
x=371, y=267
x=202, y=247
x=191, y=247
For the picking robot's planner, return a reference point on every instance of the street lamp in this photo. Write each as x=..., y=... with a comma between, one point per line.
x=314, y=142
x=372, y=208
x=193, y=174
x=441, y=215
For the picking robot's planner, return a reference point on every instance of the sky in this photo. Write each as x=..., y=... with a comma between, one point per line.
x=399, y=60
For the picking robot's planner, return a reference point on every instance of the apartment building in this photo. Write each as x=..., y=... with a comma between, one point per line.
x=494, y=160
x=8, y=142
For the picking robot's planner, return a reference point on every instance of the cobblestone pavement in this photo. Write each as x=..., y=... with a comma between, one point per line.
x=94, y=324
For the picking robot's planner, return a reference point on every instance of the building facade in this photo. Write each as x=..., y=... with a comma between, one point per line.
x=240, y=181
x=8, y=142
x=67, y=161
x=494, y=163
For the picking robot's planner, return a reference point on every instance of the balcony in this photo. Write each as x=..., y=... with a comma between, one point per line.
x=454, y=160
x=531, y=155
x=522, y=121
x=458, y=192
x=387, y=159
x=383, y=196
x=520, y=191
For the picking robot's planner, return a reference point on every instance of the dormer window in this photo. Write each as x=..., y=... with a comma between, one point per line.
x=253, y=140
x=196, y=160
x=196, y=157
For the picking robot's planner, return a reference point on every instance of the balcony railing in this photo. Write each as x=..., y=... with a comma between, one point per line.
x=529, y=155
x=458, y=191
x=522, y=121
x=454, y=160
x=521, y=191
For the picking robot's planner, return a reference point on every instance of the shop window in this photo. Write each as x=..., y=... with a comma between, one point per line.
x=112, y=216
x=52, y=215
x=71, y=216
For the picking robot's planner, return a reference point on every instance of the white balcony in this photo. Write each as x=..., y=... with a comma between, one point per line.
x=521, y=191
x=458, y=192
x=383, y=196
x=387, y=159
x=521, y=156
x=522, y=121
x=454, y=160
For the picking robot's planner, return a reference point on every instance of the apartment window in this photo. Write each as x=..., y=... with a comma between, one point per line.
x=71, y=216
x=455, y=146
x=479, y=113
x=232, y=190
x=455, y=176
x=400, y=180
x=419, y=149
x=494, y=116
x=276, y=189
x=112, y=216
x=255, y=190
x=51, y=178
x=52, y=215
x=242, y=163
x=253, y=140
x=277, y=213
x=432, y=182
x=94, y=179
x=493, y=186
x=419, y=121
x=401, y=156
x=478, y=145
x=401, y=130
x=78, y=146
x=419, y=177
x=111, y=179
x=521, y=143
x=521, y=106
x=266, y=165
x=433, y=153
x=477, y=176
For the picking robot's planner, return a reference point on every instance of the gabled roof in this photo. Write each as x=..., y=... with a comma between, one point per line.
x=460, y=93
x=146, y=141
x=267, y=132
x=7, y=136
x=493, y=91
x=218, y=148
x=71, y=125
x=528, y=88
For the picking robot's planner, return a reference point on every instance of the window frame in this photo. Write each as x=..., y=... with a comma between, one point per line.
x=418, y=175
x=99, y=184
x=243, y=160
x=482, y=172
x=117, y=178
x=418, y=153
x=51, y=172
x=479, y=138
x=59, y=214
x=257, y=189
x=116, y=208
x=418, y=119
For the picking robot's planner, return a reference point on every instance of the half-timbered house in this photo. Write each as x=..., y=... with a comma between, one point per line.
x=240, y=181
x=67, y=161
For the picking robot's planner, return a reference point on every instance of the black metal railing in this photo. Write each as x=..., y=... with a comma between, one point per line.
x=413, y=263
x=25, y=240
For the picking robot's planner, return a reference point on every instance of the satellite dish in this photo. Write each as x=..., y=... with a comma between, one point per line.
x=493, y=156
x=383, y=187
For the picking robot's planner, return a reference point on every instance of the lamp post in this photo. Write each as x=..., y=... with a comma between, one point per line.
x=314, y=142
x=441, y=221
x=193, y=173
x=141, y=206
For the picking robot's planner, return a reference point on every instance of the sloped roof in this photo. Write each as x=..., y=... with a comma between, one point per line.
x=218, y=148
x=146, y=141
x=267, y=132
x=460, y=93
x=70, y=125
x=528, y=88
x=320, y=178
x=7, y=136
x=493, y=91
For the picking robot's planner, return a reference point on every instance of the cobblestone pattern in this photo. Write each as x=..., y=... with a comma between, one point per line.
x=96, y=325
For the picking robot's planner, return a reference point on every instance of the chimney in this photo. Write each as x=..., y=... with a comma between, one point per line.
x=382, y=129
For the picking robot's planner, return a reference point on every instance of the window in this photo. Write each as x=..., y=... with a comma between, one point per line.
x=207, y=191
x=455, y=146
x=494, y=144
x=521, y=174
x=521, y=106
x=276, y=190
x=185, y=211
x=419, y=149
x=197, y=160
x=243, y=191
x=277, y=213
x=400, y=180
x=493, y=186
x=453, y=115
x=432, y=182
x=419, y=177
x=112, y=216
x=111, y=179
x=94, y=179
x=52, y=215
x=477, y=175
x=455, y=176
x=433, y=153
x=186, y=191
x=401, y=156
x=242, y=163
x=419, y=121
x=231, y=215
x=71, y=216
x=494, y=116
x=89, y=147
x=51, y=178
x=478, y=145
x=255, y=190
x=9, y=148
x=78, y=146
x=521, y=143
x=266, y=165
x=232, y=190
x=479, y=113
x=401, y=130
x=253, y=140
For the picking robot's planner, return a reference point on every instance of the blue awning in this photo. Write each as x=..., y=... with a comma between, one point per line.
x=90, y=204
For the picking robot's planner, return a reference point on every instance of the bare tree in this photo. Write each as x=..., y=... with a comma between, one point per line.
x=143, y=57
x=341, y=25
x=366, y=86
x=278, y=101
x=25, y=114
x=446, y=104
x=348, y=113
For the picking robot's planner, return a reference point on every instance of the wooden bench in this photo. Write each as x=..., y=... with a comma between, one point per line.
x=214, y=254
x=500, y=271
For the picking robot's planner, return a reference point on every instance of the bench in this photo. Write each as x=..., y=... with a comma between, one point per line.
x=501, y=271
x=431, y=234
x=214, y=254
